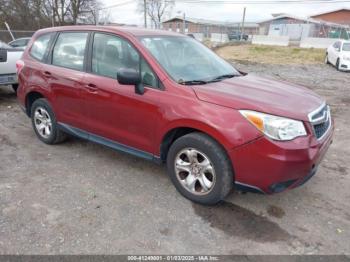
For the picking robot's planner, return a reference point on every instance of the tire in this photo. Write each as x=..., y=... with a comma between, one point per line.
x=326, y=60
x=15, y=87
x=219, y=172
x=45, y=124
x=337, y=65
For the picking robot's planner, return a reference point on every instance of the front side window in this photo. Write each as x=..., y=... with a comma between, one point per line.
x=186, y=60
x=111, y=53
x=69, y=50
x=147, y=75
x=40, y=46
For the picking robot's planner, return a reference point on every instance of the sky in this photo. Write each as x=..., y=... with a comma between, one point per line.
x=128, y=13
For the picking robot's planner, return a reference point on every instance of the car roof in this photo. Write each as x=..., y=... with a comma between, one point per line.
x=135, y=31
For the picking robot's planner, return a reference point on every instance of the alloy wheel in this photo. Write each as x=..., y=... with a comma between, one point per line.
x=195, y=171
x=43, y=123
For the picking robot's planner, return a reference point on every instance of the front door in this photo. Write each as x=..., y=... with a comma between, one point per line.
x=115, y=111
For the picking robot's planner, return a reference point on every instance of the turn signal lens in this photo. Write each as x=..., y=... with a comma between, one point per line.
x=256, y=121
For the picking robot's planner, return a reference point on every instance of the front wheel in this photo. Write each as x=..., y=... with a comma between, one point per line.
x=337, y=65
x=200, y=168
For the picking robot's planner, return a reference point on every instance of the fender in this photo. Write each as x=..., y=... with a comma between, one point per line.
x=197, y=125
x=43, y=91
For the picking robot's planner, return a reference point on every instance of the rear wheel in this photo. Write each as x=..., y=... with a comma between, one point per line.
x=326, y=59
x=200, y=168
x=45, y=124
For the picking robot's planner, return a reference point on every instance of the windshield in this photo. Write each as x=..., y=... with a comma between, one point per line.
x=346, y=47
x=188, y=61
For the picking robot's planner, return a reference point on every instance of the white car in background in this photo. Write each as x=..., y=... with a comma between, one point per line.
x=8, y=59
x=338, y=55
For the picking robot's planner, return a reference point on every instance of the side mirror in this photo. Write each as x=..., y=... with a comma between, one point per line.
x=128, y=76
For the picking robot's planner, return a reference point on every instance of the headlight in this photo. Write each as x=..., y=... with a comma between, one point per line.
x=275, y=127
x=346, y=58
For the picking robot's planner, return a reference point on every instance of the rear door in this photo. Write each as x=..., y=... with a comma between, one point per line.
x=64, y=76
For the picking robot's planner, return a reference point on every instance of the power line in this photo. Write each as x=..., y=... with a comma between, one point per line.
x=255, y=2
x=115, y=5
x=263, y=1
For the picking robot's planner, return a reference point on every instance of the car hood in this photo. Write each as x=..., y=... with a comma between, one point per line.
x=266, y=95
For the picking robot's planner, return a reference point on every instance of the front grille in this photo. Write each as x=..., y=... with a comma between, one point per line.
x=321, y=129
x=321, y=121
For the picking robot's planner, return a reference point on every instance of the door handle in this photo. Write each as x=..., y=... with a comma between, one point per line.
x=47, y=74
x=91, y=88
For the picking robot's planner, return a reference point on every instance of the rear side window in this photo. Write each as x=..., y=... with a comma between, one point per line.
x=69, y=50
x=40, y=46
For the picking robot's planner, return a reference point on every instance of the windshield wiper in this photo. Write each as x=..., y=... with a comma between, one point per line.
x=193, y=82
x=203, y=82
x=222, y=77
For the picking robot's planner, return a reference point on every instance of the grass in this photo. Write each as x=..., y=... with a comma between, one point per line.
x=272, y=54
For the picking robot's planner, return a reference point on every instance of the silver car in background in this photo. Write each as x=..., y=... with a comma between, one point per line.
x=20, y=43
x=8, y=59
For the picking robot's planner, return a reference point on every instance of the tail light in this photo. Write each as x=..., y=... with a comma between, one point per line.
x=19, y=66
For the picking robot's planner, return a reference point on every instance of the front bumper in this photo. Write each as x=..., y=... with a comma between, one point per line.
x=268, y=166
x=344, y=65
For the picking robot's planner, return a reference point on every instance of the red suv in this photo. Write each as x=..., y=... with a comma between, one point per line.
x=167, y=98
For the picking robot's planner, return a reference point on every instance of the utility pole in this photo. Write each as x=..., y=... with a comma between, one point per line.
x=184, y=24
x=243, y=20
x=145, y=12
x=9, y=29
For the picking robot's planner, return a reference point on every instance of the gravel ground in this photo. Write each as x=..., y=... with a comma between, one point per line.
x=82, y=198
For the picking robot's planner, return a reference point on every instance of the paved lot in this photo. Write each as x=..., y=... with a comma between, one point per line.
x=79, y=197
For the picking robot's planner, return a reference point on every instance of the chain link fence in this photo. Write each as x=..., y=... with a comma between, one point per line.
x=5, y=35
x=330, y=31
